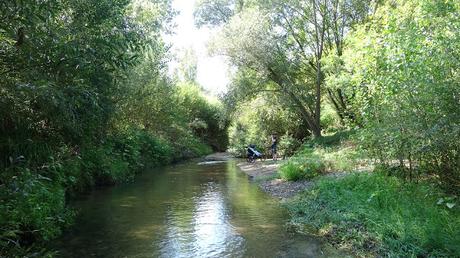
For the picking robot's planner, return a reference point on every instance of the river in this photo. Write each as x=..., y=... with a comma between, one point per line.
x=185, y=210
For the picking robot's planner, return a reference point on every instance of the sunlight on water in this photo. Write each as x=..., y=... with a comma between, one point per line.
x=186, y=210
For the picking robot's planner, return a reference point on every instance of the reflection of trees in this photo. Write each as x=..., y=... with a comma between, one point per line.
x=185, y=210
x=257, y=217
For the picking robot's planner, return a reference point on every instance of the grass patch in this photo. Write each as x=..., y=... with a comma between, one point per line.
x=330, y=140
x=302, y=167
x=334, y=153
x=373, y=213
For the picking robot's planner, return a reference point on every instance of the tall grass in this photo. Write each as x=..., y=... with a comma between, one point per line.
x=302, y=167
x=334, y=153
x=383, y=215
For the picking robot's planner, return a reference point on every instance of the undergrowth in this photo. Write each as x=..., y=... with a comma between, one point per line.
x=334, y=153
x=33, y=195
x=386, y=216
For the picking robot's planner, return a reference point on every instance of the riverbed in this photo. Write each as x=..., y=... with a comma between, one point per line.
x=186, y=210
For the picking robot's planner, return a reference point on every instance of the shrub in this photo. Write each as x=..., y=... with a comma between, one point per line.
x=32, y=208
x=291, y=172
x=340, y=159
x=304, y=167
x=104, y=166
x=406, y=86
x=288, y=145
x=140, y=148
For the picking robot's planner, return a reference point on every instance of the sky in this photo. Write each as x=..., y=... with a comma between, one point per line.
x=212, y=70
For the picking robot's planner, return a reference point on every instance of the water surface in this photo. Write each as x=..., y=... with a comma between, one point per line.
x=187, y=210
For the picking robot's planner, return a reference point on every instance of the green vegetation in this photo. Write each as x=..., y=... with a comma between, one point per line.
x=386, y=72
x=306, y=166
x=385, y=216
x=255, y=121
x=332, y=153
x=85, y=101
x=389, y=69
x=402, y=69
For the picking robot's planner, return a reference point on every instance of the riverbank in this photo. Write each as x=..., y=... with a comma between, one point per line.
x=265, y=174
x=367, y=214
x=35, y=199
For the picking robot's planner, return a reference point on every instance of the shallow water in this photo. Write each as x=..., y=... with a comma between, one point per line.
x=187, y=210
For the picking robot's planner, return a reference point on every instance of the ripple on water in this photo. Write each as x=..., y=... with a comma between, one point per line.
x=187, y=210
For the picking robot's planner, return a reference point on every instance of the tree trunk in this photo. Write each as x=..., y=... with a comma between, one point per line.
x=317, y=130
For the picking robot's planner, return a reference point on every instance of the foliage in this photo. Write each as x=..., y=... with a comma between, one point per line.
x=214, y=12
x=402, y=68
x=278, y=46
x=333, y=153
x=250, y=41
x=85, y=101
x=380, y=214
x=32, y=207
x=332, y=140
x=256, y=120
x=288, y=145
x=205, y=116
x=306, y=167
x=330, y=121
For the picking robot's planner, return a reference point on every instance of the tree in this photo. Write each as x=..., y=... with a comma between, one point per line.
x=403, y=68
x=216, y=12
x=187, y=70
x=285, y=42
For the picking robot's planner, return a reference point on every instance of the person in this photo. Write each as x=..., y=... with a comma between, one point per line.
x=274, y=146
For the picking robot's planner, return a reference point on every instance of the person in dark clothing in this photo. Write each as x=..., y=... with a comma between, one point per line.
x=274, y=146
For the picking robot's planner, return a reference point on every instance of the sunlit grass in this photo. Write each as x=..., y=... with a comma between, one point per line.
x=380, y=214
x=334, y=153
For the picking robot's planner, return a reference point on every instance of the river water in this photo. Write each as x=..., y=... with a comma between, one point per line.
x=186, y=210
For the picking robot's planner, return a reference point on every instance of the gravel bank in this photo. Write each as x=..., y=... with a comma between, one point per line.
x=265, y=172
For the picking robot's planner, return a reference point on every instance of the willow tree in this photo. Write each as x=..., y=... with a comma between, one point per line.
x=315, y=29
x=285, y=42
x=251, y=42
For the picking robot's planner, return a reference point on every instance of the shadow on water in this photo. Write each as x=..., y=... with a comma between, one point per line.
x=187, y=210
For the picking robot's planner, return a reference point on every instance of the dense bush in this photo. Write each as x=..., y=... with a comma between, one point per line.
x=32, y=208
x=287, y=145
x=402, y=68
x=332, y=153
x=305, y=167
x=256, y=120
x=205, y=116
x=85, y=101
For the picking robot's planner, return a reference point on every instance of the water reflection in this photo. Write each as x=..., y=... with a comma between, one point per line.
x=208, y=234
x=184, y=211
